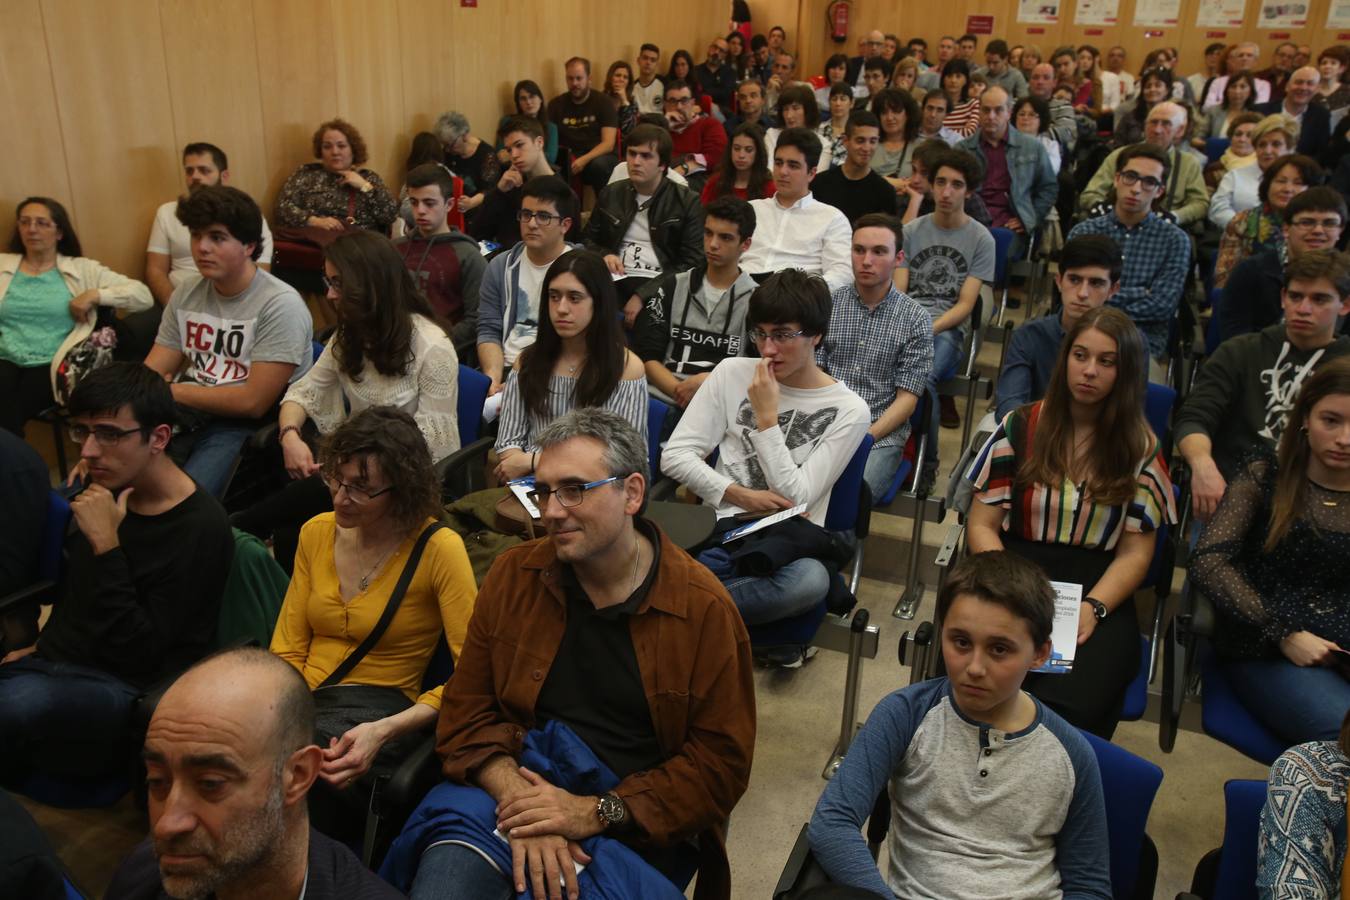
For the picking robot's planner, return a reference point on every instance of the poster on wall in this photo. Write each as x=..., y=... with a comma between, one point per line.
x=1098, y=12
x=1038, y=12
x=1220, y=13
x=1338, y=14
x=1156, y=13
x=1282, y=14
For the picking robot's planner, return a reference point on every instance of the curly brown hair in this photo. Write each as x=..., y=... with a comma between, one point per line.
x=391, y=438
x=359, y=154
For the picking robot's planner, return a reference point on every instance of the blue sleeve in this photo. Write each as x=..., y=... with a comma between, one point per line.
x=1082, y=849
x=1014, y=382
x=490, y=301
x=835, y=831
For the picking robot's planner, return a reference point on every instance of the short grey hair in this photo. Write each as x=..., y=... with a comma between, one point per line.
x=625, y=450
x=451, y=126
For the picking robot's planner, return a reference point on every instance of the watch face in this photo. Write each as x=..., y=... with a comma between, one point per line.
x=611, y=809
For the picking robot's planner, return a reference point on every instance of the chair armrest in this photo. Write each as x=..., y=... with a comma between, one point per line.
x=455, y=473
x=264, y=436
x=663, y=489
x=34, y=591
x=418, y=773
x=801, y=872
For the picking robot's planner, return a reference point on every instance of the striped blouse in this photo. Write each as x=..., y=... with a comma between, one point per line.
x=1065, y=514
x=964, y=119
x=519, y=425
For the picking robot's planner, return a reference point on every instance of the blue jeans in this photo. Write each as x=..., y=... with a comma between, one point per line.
x=1298, y=703
x=450, y=871
x=947, y=346
x=63, y=718
x=791, y=591
x=880, y=469
x=214, y=450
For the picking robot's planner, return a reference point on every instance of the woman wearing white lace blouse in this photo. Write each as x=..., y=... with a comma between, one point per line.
x=388, y=350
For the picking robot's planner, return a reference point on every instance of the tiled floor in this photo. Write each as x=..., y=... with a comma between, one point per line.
x=799, y=720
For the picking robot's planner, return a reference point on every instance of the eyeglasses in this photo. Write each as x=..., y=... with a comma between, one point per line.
x=543, y=218
x=334, y=283
x=354, y=494
x=568, y=494
x=1132, y=178
x=106, y=435
x=779, y=337
x=678, y=101
x=1310, y=224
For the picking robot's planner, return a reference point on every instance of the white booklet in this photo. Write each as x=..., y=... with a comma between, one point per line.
x=521, y=487
x=1064, y=634
x=765, y=522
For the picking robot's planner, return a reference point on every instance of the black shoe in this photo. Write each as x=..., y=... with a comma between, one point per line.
x=948, y=415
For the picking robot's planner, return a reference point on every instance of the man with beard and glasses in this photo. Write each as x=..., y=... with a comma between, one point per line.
x=230, y=758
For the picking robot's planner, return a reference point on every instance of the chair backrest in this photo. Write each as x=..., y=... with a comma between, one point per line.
x=473, y=391
x=1215, y=147
x=1129, y=785
x=1213, y=329
x=1158, y=402
x=846, y=495
x=441, y=667
x=53, y=537
x=656, y=420
x=1236, y=878
x=1003, y=239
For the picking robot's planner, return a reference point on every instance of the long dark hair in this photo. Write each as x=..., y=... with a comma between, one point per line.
x=724, y=176
x=605, y=351
x=426, y=148
x=1251, y=89
x=689, y=76
x=377, y=301
x=955, y=67
x=69, y=242
x=533, y=90
x=1291, y=479
x=1157, y=73
x=1122, y=435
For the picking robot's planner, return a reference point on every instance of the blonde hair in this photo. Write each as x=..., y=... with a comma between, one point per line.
x=1277, y=122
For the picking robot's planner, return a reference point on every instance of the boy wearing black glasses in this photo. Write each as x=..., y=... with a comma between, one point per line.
x=146, y=566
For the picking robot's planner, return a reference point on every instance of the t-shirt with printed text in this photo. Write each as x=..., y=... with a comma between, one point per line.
x=940, y=259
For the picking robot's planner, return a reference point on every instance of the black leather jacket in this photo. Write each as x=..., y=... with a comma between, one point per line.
x=675, y=215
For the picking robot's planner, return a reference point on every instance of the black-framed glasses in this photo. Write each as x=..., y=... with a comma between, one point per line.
x=106, y=435
x=543, y=218
x=334, y=283
x=568, y=494
x=1132, y=178
x=354, y=493
x=781, y=336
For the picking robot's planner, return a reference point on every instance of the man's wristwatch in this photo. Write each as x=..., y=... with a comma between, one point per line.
x=1098, y=607
x=611, y=810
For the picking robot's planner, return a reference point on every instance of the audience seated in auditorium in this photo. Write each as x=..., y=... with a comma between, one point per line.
x=49, y=299
x=692, y=320
x=349, y=568
x=1076, y=482
x=1217, y=122
x=793, y=229
x=1246, y=387
x=750, y=107
x=835, y=69
x=1019, y=185
x=470, y=157
x=338, y=192
x=1024, y=816
x=1314, y=118
x=1275, y=553
x=530, y=104
x=948, y=257
x=697, y=140
x=1157, y=253
x=1184, y=197
x=1131, y=117
x=1000, y=73
x=899, y=119
x=577, y=358
x=646, y=225
x=588, y=125
x=1262, y=227
x=231, y=342
x=855, y=188
x=1240, y=58
x=389, y=349
x=211, y=737
x=715, y=77
x=648, y=89
x=1272, y=137
x=1313, y=220
x=743, y=170
x=1302, y=843
x=1088, y=277
x=1281, y=71
x=523, y=141
x=784, y=430
x=879, y=343
x=425, y=149
x=147, y=559
x=669, y=731
x=508, y=298
x=445, y=263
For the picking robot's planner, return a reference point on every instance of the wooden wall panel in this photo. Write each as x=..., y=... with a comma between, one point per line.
x=31, y=141
x=370, y=79
x=213, y=83
x=111, y=82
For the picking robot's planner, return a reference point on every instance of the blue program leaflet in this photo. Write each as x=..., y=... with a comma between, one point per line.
x=765, y=522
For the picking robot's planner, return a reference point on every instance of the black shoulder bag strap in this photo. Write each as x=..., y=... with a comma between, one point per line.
x=390, y=609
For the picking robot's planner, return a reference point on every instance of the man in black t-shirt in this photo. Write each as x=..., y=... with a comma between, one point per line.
x=853, y=188
x=147, y=562
x=588, y=124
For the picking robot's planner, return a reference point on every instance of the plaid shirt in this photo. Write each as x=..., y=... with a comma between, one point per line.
x=1157, y=255
x=877, y=352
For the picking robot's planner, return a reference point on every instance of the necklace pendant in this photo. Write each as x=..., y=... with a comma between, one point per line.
x=365, y=582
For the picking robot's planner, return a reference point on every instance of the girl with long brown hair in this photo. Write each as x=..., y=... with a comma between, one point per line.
x=1275, y=559
x=1077, y=483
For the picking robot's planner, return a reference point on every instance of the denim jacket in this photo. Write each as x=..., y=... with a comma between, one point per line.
x=1034, y=186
